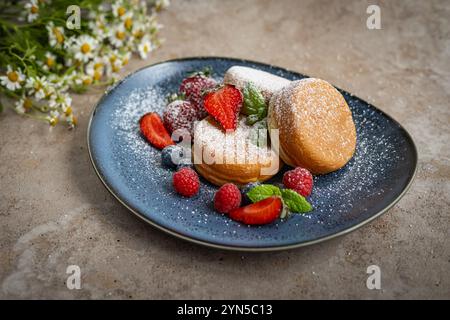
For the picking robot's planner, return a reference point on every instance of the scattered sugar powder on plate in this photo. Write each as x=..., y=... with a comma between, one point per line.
x=356, y=180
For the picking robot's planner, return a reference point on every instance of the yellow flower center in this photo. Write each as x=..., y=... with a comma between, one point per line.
x=85, y=48
x=68, y=111
x=120, y=35
x=121, y=11
x=87, y=81
x=98, y=65
x=50, y=62
x=97, y=75
x=53, y=121
x=112, y=59
x=125, y=61
x=74, y=120
x=115, y=68
x=139, y=34
x=58, y=35
x=13, y=76
x=34, y=9
x=146, y=48
x=27, y=104
x=128, y=23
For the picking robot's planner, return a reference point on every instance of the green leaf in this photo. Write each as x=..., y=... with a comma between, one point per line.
x=295, y=202
x=206, y=71
x=262, y=192
x=258, y=134
x=255, y=106
x=252, y=119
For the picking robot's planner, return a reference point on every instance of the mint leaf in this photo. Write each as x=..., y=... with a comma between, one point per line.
x=262, y=192
x=252, y=119
x=258, y=134
x=295, y=202
x=254, y=106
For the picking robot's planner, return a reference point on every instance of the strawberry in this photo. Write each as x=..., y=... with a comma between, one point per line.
x=223, y=105
x=194, y=86
x=153, y=130
x=262, y=212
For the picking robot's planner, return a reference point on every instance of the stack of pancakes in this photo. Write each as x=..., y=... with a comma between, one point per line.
x=309, y=117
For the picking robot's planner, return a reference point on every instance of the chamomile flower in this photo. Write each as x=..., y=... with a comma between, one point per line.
x=118, y=9
x=71, y=120
x=65, y=101
x=128, y=20
x=49, y=62
x=138, y=30
x=95, y=70
x=32, y=9
x=99, y=26
x=60, y=100
x=84, y=48
x=126, y=58
x=118, y=36
x=23, y=105
x=55, y=35
x=144, y=48
x=113, y=67
x=161, y=4
x=86, y=80
x=52, y=121
x=36, y=87
x=54, y=114
x=13, y=79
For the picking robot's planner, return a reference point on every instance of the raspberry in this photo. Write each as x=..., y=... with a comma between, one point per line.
x=186, y=182
x=193, y=88
x=181, y=114
x=300, y=180
x=227, y=198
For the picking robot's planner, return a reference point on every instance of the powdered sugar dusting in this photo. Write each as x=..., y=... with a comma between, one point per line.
x=232, y=147
x=266, y=82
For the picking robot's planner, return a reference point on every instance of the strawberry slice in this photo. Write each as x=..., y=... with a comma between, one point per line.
x=153, y=130
x=224, y=105
x=262, y=212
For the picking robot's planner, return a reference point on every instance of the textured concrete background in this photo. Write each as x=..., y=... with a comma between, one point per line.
x=54, y=211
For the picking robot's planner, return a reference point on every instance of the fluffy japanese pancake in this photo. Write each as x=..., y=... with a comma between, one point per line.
x=222, y=157
x=316, y=128
x=266, y=82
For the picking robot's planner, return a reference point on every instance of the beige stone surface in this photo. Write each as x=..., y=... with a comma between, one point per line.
x=55, y=212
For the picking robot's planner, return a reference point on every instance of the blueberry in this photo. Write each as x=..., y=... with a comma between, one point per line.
x=185, y=162
x=171, y=155
x=247, y=188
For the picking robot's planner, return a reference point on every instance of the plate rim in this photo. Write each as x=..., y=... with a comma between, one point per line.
x=230, y=247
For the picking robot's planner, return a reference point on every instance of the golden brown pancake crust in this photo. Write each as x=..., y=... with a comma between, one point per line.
x=210, y=139
x=315, y=125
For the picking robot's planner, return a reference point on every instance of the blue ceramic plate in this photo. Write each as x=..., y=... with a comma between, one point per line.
x=380, y=172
